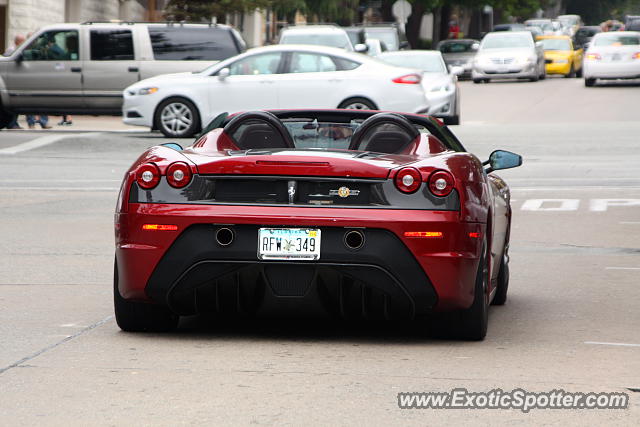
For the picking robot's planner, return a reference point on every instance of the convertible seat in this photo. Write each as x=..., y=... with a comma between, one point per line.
x=384, y=133
x=258, y=130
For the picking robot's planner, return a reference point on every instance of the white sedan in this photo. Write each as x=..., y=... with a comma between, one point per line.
x=440, y=83
x=280, y=76
x=612, y=55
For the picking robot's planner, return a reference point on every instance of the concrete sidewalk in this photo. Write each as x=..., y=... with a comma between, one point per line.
x=85, y=124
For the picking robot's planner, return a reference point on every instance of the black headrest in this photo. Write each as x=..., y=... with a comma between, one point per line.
x=258, y=129
x=384, y=133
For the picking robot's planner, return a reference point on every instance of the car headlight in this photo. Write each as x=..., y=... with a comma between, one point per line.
x=525, y=60
x=147, y=90
x=482, y=61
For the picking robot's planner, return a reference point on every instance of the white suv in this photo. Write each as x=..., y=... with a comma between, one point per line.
x=321, y=35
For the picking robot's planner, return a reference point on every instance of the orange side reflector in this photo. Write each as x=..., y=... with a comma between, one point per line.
x=432, y=234
x=160, y=227
x=474, y=235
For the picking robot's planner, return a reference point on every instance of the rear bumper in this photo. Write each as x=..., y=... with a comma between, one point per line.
x=558, y=68
x=612, y=70
x=391, y=274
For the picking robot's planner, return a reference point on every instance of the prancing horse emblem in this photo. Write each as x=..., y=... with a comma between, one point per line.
x=291, y=191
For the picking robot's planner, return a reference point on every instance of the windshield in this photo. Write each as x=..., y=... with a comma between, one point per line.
x=311, y=134
x=616, y=40
x=427, y=63
x=457, y=47
x=334, y=40
x=388, y=36
x=504, y=41
x=555, y=44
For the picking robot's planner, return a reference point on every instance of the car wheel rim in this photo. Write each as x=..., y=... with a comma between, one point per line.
x=176, y=117
x=357, y=106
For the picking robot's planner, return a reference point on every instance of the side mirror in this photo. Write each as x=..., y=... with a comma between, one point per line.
x=404, y=45
x=475, y=46
x=539, y=45
x=501, y=159
x=224, y=73
x=361, y=48
x=19, y=58
x=456, y=70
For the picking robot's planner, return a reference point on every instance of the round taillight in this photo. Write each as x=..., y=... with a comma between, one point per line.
x=178, y=174
x=408, y=180
x=148, y=176
x=441, y=183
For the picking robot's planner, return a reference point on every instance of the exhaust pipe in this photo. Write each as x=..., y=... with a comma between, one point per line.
x=354, y=239
x=225, y=236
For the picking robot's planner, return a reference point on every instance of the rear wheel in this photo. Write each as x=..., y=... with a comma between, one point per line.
x=503, y=282
x=572, y=73
x=472, y=323
x=477, y=81
x=177, y=118
x=5, y=118
x=357, y=104
x=579, y=73
x=133, y=316
x=589, y=82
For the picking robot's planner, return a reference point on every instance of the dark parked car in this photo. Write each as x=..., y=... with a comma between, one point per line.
x=459, y=52
x=585, y=34
x=509, y=27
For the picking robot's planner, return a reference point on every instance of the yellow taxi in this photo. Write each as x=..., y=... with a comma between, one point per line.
x=560, y=56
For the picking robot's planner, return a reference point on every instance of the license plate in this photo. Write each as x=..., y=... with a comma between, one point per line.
x=289, y=244
x=615, y=57
x=503, y=70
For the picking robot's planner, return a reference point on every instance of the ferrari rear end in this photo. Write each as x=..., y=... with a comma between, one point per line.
x=353, y=234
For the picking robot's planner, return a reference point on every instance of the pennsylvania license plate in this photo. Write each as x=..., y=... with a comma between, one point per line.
x=301, y=244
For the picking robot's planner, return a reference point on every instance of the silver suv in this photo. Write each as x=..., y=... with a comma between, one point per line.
x=83, y=68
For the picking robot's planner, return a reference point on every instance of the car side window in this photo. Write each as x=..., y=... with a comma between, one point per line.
x=61, y=45
x=311, y=63
x=111, y=45
x=266, y=63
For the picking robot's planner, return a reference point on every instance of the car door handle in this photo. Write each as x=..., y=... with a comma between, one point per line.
x=76, y=69
x=133, y=69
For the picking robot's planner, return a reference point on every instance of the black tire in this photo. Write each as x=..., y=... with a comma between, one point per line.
x=572, y=73
x=589, y=82
x=477, y=81
x=544, y=73
x=534, y=79
x=5, y=118
x=472, y=322
x=503, y=282
x=579, y=73
x=452, y=120
x=358, y=104
x=177, y=118
x=133, y=316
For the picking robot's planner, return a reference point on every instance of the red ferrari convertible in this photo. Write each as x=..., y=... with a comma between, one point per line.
x=346, y=213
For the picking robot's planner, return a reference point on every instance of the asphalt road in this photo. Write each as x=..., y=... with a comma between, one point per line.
x=572, y=320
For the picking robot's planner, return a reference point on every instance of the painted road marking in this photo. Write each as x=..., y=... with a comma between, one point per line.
x=622, y=268
x=42, y=141
x=620, y=344
x=559, y=205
